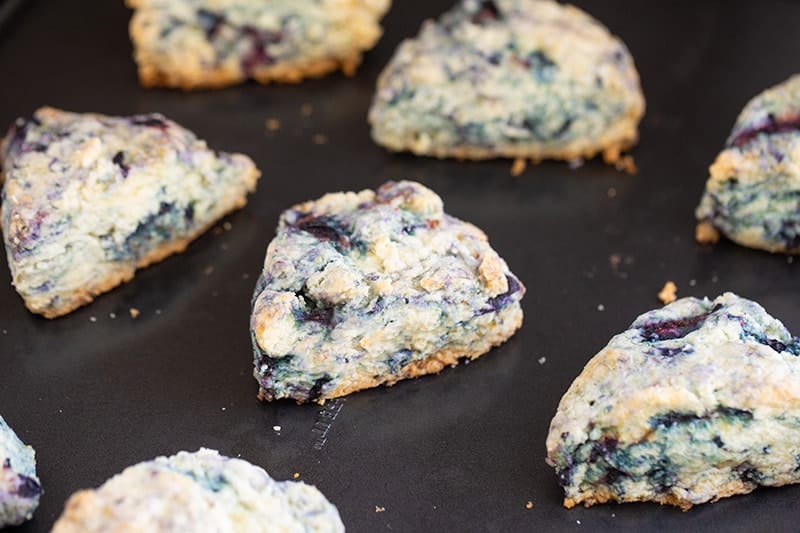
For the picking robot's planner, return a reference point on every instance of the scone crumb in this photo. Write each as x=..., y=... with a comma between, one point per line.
x=296, y=475
x=542, y=360
x=320, y=139
x=306, y=110
x=668, y=294
x=626, y=164
x=134, y=312
x=273, y=124
x=227, y=226
x=209, y=270
x=706, y=233
x=379, y=509
x=518, y=166
x=529, y=505
x=612, y=192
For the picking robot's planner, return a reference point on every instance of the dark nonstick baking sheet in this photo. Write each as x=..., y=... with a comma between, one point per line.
x=462, y=451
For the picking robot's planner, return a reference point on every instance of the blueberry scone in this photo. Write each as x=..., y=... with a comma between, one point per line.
x=89, y=198
x=697, y=401
x=195, y=44
x=510, y=78
x=19, y=487
x=368, y=288
x=199, y=492
x=752, y=194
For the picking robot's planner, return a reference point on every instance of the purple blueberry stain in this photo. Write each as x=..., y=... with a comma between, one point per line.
x=119, y=160
x=771, y=126
x=28, y=487
x=210, y=22
x=496, y=303
x=150, y=121
x=488, y=12
x=672, y=329
x=324, y=228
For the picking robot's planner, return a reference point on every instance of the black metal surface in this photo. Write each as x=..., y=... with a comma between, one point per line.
x=463, y=451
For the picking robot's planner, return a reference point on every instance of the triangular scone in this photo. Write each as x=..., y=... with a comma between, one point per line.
x=368, y=288
x=198, y=492
x=510, y=78
x=19, y=486
x=697, y=401
x=89, y=198
x=752, y=194
x=195, y=44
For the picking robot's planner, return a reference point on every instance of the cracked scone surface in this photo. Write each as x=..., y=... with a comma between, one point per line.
x=195, y=44
x=89, y=198
x=20, y=489
x=199, y=492
x=368, y=288
x=751, y=195
x=697, y=401
x=510, y=78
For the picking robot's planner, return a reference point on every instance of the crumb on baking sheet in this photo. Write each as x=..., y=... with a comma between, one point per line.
x=706, y=233
x=209, y=270
x=379, y=509
x=529, y=505
x=276, y=428
x=273, y=124
x=134, y=312
x=227, y=226
x=92, y=319
x=306, y=110
x=112, y=315
x=319, y=139
x=669, y=293
x=692, y=282
x=601, y=307
x=217, y=230
x=626, y=164
x=296, y=475
x=612, y=192
x=542, y=360
x=518, y=166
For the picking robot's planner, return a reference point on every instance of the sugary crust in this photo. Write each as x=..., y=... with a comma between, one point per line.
x=124, y=273
x=189, y=76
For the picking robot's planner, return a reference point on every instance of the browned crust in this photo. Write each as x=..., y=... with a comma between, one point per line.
x=510, y=320
x=125, y=272
x=150, y=75
x=603, y=495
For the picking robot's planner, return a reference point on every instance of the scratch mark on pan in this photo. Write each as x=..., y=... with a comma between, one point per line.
x=324, y=422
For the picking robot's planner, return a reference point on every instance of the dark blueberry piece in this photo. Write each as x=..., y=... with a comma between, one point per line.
x=749, y=474
x=324, y=228
x=500, y=301
x=771, y=126
x=119, y=160
x=28, y=487
x=151, y=121
x=565, y=476
x=7, y=464
x=789, y=234
x=718, y=441
x=672, y=418
x=672, y=329
x=316, y=389
x=613, y=475
x=188, y=213
x=210, y=22
x=542, y=66
x=488, y=12
x=733, y=412
x=399, y=360
x=603, y=448
x=321, y=315
x=672, y=352
x=564, y=128
x=258, y=53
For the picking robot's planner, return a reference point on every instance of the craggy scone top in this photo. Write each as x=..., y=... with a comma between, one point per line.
x=88, y=198
x=361, y=289
x=696, y=401
x=19, y=487
x=510, y=78
x=212, y=43
x=751, y=196
x=199, y=492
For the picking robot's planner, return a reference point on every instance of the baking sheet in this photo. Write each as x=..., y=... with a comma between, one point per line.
x=463, y=451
